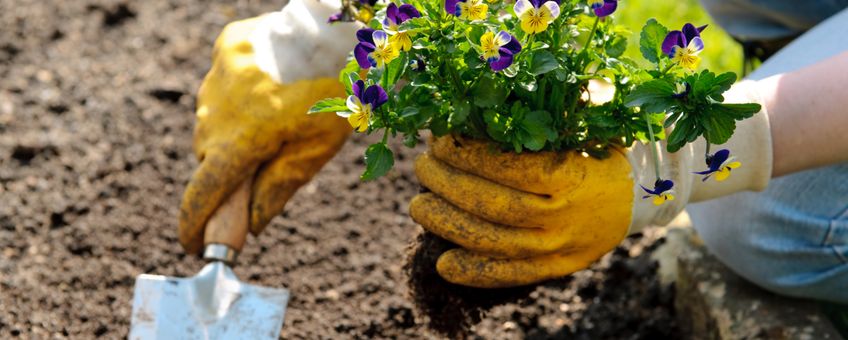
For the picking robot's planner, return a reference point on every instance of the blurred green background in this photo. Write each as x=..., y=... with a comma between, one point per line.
x=722, y=53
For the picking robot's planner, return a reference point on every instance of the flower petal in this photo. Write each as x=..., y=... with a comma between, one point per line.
x=521, y=6
x=353, y=104
x=719, y=158
x=407, y=11
x=648, y=191
x=502, y=38
x=696, y=44
x=690, y=32
x=722, y=175
x=392, y=12
x=503, y=62
x=376, y=96
x=358, y=87
x=513, y=45
x=672, y=40
x=734, y=165
x=364, y=35
x=553, y=8
x=361, y=52
x=609, y=8
x=451, y=6
x=380, y=39
x=663, y=185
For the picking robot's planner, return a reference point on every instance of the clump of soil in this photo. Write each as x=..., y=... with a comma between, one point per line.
x=454, y=310
x=451, y=309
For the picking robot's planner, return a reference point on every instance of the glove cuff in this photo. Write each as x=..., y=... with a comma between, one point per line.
x=751, y=144
x=297, y=43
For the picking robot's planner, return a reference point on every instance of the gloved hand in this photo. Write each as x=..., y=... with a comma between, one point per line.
x=525, y=218
x=251, y=113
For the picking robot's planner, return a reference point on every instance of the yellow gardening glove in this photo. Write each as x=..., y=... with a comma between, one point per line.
x=520, y=218
x=251, y=114
x=525, y=218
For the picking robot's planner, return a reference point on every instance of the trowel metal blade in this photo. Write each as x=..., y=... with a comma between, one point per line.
x=212, y=305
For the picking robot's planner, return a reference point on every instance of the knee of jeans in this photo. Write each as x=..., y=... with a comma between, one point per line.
x=751, y=253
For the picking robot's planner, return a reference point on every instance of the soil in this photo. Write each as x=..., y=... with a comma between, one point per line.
x=96, y=114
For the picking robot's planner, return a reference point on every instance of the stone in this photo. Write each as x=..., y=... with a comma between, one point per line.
x=712, y=302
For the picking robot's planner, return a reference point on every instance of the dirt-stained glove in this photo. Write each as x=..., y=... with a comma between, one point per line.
x=251, y=112
x=525, y=218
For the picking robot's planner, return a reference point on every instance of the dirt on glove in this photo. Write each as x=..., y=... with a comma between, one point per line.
x=96, y=115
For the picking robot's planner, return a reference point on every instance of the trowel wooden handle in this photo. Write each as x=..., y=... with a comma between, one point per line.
x=229, y=224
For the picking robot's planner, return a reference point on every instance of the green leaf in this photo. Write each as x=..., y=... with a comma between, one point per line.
x=329, y=105
x=617, y=46
x=719, y=120
x=653, y=96
x=653, y=34
x=395, y=69
x=497, y=125
x=543, y=62
x=378, y=161
x=539, y=130
x=461, y=110
x=685, y=131
x=415, y=25
x=487, y=93
x=347, y=74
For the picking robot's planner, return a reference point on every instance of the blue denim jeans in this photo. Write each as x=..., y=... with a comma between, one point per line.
x=792, y=238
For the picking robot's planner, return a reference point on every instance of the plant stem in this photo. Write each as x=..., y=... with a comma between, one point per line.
x=591, y=34
x=653, y=143
x=668, y=68
x=707, y=152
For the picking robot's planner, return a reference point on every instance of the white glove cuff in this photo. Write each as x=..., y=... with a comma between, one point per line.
x=298, y=43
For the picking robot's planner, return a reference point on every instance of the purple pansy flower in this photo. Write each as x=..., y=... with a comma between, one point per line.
x=467, y=9
x=684, y=46
x=603, y=8
x=362, y=104
x=365, y=12
x=662, y=191
x=394, y=17
x=499, y=49
x=374, y=49
x=720, y=164
x=682, y=90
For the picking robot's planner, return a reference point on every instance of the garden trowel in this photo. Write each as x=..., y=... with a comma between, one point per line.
x=213, y=304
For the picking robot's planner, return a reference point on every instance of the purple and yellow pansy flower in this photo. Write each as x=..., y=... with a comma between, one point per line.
x=499, y=49
x=603, y=8
x=720, y=164
x=661, y=193
x=684, y=46
x=362, y=104
x=467, y=9
x=374, y=49
x=394, y=17
x=536, y=15
x=364, y=13
x=681, y=90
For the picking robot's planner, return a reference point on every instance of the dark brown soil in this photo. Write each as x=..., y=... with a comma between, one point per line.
x=96, y=114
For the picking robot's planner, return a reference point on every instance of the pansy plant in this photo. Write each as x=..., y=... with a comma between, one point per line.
x=518, y=74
